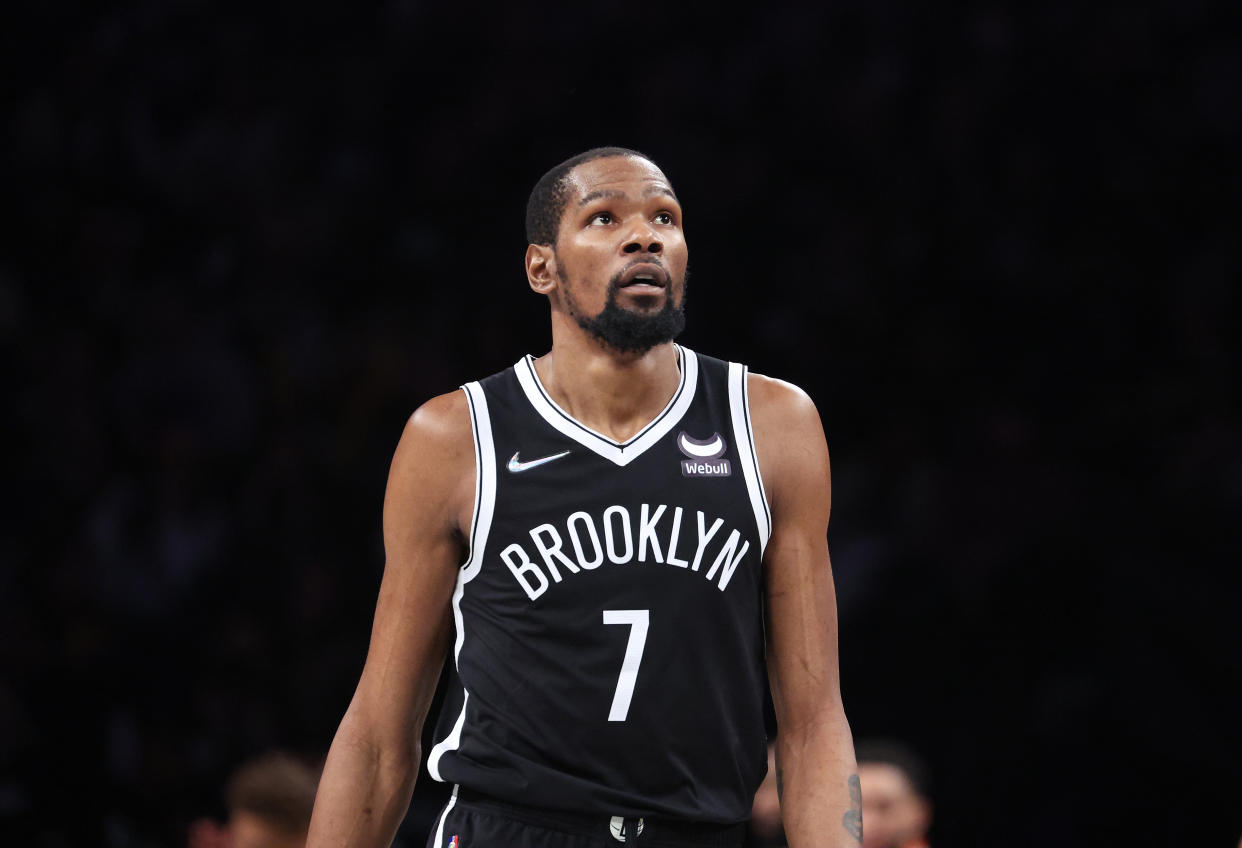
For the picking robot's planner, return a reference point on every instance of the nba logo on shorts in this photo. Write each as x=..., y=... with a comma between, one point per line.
x=620, y=832
x=453, y=842
x=705, y=456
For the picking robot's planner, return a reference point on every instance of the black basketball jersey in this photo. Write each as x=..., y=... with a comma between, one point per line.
x=609, y=653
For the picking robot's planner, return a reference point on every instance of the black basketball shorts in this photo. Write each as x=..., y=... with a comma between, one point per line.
x=471, y=820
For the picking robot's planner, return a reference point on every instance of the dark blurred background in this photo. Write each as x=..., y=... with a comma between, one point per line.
x=997, y=244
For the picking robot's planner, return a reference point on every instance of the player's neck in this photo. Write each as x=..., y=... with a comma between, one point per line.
x=612, y=393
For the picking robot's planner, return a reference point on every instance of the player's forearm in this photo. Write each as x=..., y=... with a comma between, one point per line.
x=818, y=784
x=364, y=792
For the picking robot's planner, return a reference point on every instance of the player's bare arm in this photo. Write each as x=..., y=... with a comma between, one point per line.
x=370, y=770
x=820, y=798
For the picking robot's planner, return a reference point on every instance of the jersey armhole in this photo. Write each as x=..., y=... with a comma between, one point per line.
x=480, y=526
x=743, y=437
x=484, y=478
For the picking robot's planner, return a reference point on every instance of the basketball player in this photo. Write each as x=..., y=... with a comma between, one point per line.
x=612, y=543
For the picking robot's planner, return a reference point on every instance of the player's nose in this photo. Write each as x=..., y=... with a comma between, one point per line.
x=643, y=237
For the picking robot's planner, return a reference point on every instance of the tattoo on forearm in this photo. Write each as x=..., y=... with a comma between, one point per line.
x=852, y=820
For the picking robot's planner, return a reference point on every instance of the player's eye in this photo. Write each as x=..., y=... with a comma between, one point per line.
x=601, y=218
x=663, y=218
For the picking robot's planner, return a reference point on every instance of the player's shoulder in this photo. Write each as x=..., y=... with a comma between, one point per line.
x=775, y=399
x=431, y=479
x=438, y=433
x=766, y=394
x=443, y=416
x=789, y=441
x=450, y=417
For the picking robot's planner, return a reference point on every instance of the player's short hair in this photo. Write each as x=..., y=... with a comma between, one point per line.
x=890, y=752
x=276, y=788
x=547, y=199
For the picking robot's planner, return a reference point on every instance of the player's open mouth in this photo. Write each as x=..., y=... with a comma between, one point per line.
x=644, y=276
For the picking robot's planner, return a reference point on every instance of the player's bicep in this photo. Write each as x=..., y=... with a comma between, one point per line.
x=800, y=601
x=427, y=498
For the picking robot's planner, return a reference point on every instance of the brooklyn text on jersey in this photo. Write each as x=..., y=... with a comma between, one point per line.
x=583, y=531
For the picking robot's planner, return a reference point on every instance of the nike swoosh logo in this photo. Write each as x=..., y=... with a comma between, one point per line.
x=518, y=467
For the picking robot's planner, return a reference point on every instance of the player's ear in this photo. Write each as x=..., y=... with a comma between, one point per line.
x=541, y=268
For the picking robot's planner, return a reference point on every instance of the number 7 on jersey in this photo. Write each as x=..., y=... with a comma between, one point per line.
x=638, y=621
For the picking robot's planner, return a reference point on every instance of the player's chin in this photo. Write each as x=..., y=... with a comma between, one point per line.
x=642, y=298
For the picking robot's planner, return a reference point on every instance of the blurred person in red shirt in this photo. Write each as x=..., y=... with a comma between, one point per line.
x=269, y=801
x=896, y=799
x=896, y=795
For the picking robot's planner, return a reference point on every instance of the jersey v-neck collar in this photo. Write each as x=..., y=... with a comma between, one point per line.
x=620, y=453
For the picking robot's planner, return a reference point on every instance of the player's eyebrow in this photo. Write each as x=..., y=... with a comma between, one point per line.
x=651, y=191
x=600, y=194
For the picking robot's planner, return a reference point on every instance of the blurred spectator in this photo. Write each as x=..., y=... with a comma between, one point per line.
x=269, y=802
x=896, y=787
x=896, y=795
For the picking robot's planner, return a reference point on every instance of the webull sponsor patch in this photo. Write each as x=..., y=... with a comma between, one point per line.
x=705, y=456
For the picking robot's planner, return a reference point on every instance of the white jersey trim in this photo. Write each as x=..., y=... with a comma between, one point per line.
x=743, y=437
x=480, y=526
x=620, y=453
x=439, y=843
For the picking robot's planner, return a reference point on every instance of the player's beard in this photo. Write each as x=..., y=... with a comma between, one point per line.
x=628, y=330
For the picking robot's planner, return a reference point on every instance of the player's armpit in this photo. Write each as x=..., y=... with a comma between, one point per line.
x=370, y=769
x=815, y=755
